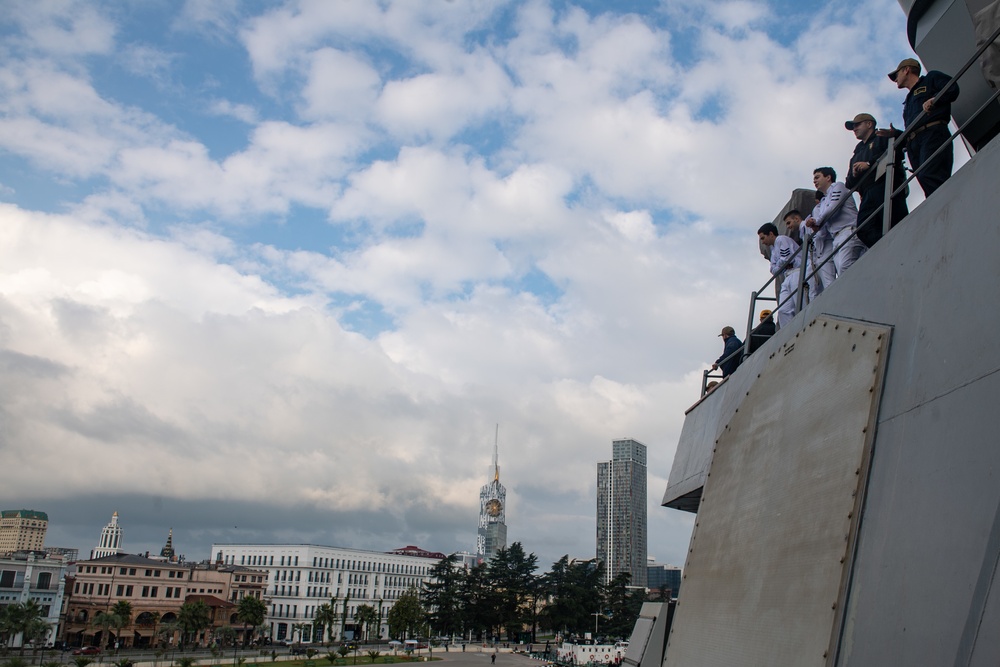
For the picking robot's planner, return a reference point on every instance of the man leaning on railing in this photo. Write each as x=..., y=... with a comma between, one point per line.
x=861, y=176
x=928, y=94
x=731, y=354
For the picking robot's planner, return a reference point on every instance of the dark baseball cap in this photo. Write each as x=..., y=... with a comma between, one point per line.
x=860, y=118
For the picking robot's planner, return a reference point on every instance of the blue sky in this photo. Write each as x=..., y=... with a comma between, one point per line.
x=302, y=257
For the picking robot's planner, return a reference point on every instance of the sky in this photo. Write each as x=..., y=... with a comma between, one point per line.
x=275, y=272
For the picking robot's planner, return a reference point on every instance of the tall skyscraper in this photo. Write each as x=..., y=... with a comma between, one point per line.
x=621, y=511
x=111, y=540
x=492, y=535
x=22, y=530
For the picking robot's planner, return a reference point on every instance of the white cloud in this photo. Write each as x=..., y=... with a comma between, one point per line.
x=339, y=86
x=62, y=28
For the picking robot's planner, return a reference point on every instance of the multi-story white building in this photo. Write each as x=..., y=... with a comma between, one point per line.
x=305, y=576
x=33, y=576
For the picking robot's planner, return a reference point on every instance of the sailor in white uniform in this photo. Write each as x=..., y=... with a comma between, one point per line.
x=785, y=261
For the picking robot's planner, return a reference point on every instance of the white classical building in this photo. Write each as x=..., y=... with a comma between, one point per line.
x=111, y=540
x=305, y=576
x=34, y=576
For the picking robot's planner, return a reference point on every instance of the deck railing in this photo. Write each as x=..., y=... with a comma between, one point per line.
x=886, y=165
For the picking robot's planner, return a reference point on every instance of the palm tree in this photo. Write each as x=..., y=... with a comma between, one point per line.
x=297, y=629
x=250, y=611
x=365, y=616
x=105, y=620
x=326, y=616
x=122, y=611
x=26, y=619
x=193, y=617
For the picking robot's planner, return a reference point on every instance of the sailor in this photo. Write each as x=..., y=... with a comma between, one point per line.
x=785, y=262
x=926, y=93
x=838, y=215
x=730, y=358
x=862, y=175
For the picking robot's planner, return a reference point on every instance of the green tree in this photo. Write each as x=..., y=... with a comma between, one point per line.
x=105, y=620
x=297, y=630
x=82, y=660
x=442, y=596
x=574, y=594
x=192, y=618
x=407, y=615
x=185, y=661
x=250, y=611
x=511, y=575
x=26, y=619
x=479, y=601
x=366, y=616
x=326, y=616
x=122, y=611
x=343, y=615
x=622, y=605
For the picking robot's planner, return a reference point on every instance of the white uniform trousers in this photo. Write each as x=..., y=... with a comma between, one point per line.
x=788, y=295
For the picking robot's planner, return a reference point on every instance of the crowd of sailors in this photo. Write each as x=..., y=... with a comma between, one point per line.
x=826, y=241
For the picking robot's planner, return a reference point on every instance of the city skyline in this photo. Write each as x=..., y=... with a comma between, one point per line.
x=272, y=272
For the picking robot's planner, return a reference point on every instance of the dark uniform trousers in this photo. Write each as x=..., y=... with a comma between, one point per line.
x=919, y=150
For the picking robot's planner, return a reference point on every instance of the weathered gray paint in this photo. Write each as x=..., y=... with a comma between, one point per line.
x=921, y=581
x=764, y=576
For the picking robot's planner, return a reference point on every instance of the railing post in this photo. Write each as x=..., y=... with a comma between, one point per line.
x=746, y=339
x=890, y=177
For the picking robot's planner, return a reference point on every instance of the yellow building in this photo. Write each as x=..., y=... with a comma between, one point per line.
x=22, y=530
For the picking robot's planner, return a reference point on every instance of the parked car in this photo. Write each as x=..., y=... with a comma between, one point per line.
x=298, y=650
x=87, y=650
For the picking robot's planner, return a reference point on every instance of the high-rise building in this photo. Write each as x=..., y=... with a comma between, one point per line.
x=111, y=540
x=22, y=530
x=621, y=511
x=492, y=535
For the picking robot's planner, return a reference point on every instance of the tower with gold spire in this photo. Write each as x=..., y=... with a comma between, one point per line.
x=492, y=534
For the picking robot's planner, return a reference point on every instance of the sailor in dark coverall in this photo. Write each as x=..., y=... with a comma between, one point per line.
x=926, y=95
x=729, y=360
x=861, y=174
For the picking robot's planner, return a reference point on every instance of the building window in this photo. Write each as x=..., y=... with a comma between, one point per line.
x=120, y=591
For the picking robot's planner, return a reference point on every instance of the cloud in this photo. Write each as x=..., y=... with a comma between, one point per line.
x=63, y=28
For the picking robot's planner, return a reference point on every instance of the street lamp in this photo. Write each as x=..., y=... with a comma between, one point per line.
x=596, y=616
